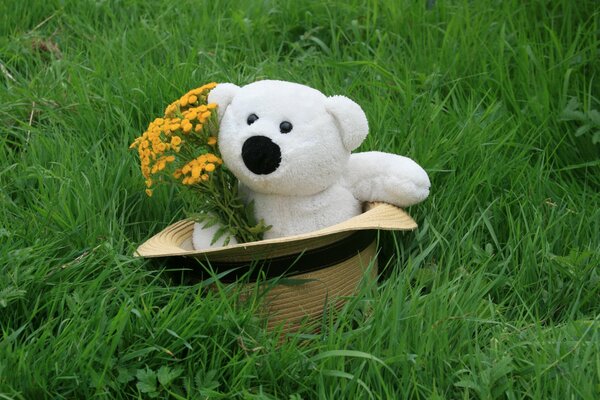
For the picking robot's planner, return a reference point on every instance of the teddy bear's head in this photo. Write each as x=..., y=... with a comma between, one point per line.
x=285, y=138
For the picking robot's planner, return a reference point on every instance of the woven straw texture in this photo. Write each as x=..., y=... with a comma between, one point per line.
x=289, y=305
x=286, y=307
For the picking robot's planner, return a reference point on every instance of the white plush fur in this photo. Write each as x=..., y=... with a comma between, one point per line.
x=377, y=176
x=350, y=119
x=202, y=237
x=318, y=182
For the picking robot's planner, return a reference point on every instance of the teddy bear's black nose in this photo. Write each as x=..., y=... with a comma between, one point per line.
x=261, y=155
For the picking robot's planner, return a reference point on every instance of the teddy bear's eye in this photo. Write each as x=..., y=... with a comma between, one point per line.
x=252, y=119
x=285, y=127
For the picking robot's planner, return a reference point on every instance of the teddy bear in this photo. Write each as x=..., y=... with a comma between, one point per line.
x=289, y=146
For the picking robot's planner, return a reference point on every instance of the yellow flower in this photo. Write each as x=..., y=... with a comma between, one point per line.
x=196, y=170
x=171, y=108
x=212, y=158
x=163, y=139
x=175, y=141
x=191, y=115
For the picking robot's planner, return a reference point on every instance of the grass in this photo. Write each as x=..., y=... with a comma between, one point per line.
x=496, y=295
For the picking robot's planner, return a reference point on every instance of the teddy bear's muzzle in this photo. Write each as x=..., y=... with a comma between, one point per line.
x=261, y=156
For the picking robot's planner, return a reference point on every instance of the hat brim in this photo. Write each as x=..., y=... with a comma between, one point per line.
x=176, y=239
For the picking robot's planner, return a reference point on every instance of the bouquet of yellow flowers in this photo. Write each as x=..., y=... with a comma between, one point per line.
x=181, y=147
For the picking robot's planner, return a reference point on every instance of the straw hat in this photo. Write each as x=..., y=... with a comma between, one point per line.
x=325, y=265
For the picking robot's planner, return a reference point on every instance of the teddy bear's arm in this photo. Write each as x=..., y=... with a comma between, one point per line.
x=390, y=178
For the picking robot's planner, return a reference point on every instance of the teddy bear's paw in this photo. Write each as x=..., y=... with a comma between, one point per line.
x=405, y=192
x=376, y=176
x=202, y=237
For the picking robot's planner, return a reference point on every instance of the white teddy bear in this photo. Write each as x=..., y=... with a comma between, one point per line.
x=289, y=146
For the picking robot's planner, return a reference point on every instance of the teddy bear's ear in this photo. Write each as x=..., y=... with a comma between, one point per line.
x=350, y=118
x=222, y=94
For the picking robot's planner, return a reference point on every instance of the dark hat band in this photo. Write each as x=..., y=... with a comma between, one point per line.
x=282, y=266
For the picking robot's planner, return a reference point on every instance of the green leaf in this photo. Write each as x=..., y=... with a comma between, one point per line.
x=174, y=334
x=259, y=228
x=146, y=380
x=209, y=222
x=166, y=375
x=571, y=113
x=596, y=137
x=206, y=380
x=125, y=375
x=573, y=104
x=346, y=375
x=468, y=385
x=582, y=130
x=219, y=234
x=9, y=294
x=353, y=354
x=145, y=387
x=594, y=116
x=250, y=215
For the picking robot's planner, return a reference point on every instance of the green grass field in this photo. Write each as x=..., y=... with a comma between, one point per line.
x=496, y=295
